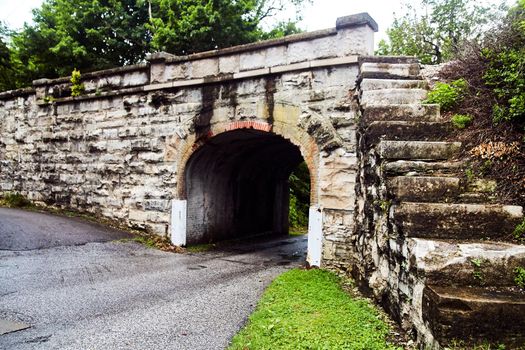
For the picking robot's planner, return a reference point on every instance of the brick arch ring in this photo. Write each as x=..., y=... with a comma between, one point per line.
x=295, y=135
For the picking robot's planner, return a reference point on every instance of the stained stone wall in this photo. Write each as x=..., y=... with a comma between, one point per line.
x=121, y=149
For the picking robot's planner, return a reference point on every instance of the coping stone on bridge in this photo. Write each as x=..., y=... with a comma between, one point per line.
x=356, y=20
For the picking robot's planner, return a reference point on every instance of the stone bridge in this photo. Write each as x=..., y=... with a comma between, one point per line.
x=200, y=148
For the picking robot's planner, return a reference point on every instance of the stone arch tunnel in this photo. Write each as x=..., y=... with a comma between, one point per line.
x=237, y=185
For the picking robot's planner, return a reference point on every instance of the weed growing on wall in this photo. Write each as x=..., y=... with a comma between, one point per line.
x=519, y=277
x=77, y=87
x=519, y=231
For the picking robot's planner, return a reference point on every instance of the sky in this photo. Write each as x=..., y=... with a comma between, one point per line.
x=320, y=14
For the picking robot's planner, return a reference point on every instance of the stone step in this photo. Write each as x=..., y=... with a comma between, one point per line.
x=381, y=84
x=456, y=221
x=449, y=263
x=406, y=131
x=415, y=167
x=476, y=197
x=424, y=188
x=388, y=59
x=385, y=70
x=409, y=112
x=475, y=314
x=387, y=97
x=418, y=150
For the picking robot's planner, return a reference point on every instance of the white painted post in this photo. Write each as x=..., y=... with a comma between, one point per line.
x=315, y=236
x=178, y=222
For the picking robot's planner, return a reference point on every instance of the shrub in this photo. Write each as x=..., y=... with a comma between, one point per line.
x=15, y=200
x=461, y=121
x=77, y=87
x=505, y=75
x=519, y=277
x=519, y=231
x=505, y=58
x=447, y=95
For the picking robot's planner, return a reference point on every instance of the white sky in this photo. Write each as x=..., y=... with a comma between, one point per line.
x=319, y=15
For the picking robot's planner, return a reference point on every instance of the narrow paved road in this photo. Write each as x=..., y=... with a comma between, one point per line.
x=78, y=288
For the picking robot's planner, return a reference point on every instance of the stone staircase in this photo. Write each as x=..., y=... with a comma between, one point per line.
x=444, y=258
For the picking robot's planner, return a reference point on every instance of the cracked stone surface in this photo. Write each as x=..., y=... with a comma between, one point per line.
x=95, y=293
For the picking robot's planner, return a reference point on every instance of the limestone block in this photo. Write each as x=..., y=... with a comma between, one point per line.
x=157, y=229
x=151, y=157
x=252, y=60
x=337, y=188
x=157, y=70
x=204, y=68
x=176, y=71
x=355, y=41
x=276, y=56
x=464, y=221
x=338, y=217
x=118, y=145
x=229, y=64
x=137, y=78
x=418, y=150
x=386, y=97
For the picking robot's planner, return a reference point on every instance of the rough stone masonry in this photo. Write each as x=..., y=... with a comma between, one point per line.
x=200, y=148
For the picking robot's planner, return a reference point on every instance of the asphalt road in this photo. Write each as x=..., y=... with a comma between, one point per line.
x=78, y=288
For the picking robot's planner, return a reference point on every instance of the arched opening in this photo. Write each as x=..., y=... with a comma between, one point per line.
x=237, y=185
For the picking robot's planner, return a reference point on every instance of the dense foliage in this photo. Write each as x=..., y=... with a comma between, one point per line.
x=83, y=34
x=98, y=34
x=187, y=26
x=505, y=73
x=6, y=72
x=435, y=31
x=299, y=196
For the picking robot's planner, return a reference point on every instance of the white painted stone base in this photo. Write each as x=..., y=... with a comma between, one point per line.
x=315, y=236
x=178, y=222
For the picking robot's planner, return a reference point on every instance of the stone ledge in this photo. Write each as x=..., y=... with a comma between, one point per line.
x=6, y=95
x=169, y=58
x=330, y=62
x=91, y=75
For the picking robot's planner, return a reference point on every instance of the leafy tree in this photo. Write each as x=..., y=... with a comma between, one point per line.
x=88, y=34
x=436, y=32
x=282, y=29
x=188, y=26
x=6, y=73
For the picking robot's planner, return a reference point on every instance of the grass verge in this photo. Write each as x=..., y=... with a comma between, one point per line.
x=200, y=248
x=308, y=309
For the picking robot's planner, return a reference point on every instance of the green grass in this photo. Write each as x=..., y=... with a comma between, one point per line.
x=307, y=309
x=200, y=248
x=298, y=231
